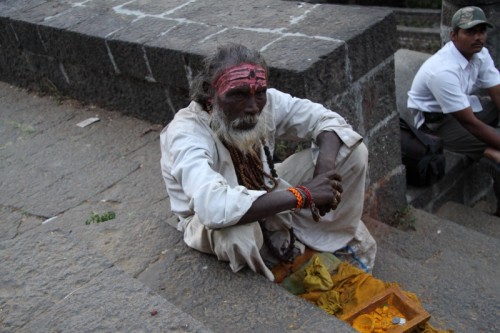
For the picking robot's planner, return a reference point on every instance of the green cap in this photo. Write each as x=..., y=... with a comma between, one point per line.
x=468, y=17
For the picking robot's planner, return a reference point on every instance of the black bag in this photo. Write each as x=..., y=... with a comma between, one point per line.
x=422, y=155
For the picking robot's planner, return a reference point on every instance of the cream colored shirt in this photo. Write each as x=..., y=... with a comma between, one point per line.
x=198, y=170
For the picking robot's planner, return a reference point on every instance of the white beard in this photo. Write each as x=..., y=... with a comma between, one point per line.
x=246, y=141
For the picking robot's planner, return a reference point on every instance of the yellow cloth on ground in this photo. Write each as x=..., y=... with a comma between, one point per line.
x=295, y=282
x=355, y=286
x=351, y=287
x=317, y=276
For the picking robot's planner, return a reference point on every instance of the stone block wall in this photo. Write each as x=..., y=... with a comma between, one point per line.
x=139, y=57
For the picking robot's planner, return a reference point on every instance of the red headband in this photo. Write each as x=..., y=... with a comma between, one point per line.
x=240, y=75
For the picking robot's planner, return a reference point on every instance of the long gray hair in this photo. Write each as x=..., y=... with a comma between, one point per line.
x=226, y=56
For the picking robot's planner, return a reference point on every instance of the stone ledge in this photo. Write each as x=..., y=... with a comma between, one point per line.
x=139, y=58
x=59, y=284
x=463, y=182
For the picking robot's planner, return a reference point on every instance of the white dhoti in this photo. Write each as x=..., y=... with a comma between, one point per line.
x=240, y=244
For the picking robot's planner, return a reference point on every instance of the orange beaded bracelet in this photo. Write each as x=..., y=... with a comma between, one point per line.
x=298, y=196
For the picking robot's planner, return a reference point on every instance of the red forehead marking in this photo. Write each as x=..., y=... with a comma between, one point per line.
x=240, y=75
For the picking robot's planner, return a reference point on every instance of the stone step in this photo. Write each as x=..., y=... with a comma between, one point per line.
x=419, y=29
x=451, y=268
x=51, y=282
x=225, y=301
x=419, y=39
x=62, y=175
x=463, y=182
x=418, y=17
x=471, y=218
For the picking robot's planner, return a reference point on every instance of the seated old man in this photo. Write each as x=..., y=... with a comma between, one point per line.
x=230, y=198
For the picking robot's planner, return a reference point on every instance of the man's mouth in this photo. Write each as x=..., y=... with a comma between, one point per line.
x=244, y=124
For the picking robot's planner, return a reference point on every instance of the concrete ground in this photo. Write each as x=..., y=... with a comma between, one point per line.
x=134, y=273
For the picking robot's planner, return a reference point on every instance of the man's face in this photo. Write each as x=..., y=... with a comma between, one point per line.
x=236, y=117
x=240, y=97
x=470, y=41
x=240, y=92
x=242, y=106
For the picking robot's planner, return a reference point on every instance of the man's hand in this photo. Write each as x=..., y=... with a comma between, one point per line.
x=326, y=190
x=492, y=154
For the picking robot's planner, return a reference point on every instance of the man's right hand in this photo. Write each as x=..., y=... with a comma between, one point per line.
x=326, y=190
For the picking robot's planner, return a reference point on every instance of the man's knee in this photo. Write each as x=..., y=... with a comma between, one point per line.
x=358, y=159
x=239, y=240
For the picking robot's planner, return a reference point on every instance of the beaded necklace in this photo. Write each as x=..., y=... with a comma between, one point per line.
x=249, y=170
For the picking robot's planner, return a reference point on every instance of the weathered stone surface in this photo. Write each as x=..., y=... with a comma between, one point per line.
x=321, y=65
x=380, y=145
x=382, y=196
x=348, y=105
x=246, y=302
x=408, y=63
x=259, y=14
x=140, y=58
x=50, y=282
x=124, y=306
x=421, y=259
x=472, y=219
x=15, y=221
x=377, y=100
x=138, y=221
x=38, y=270
x=127, y=46
x=65, y=275
x=59, y=171
x=8, y=8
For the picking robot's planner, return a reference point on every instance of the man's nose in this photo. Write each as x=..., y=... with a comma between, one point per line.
x=480, y=34
x=251, y=106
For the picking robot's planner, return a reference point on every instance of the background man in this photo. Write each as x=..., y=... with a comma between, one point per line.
x=445, y=96
x=230, y=198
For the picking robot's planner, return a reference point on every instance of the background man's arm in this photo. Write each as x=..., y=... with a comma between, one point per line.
x=494, y=93
x=476, y=127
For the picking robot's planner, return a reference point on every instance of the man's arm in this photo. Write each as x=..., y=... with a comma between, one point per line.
x=320, y=186
x=477, y=128
x=278, y=201
x=329, y=146
x=494, y=93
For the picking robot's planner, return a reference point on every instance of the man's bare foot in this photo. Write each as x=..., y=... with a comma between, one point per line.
x=492, y=154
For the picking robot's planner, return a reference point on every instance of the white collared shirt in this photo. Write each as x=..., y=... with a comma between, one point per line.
x=447, y=82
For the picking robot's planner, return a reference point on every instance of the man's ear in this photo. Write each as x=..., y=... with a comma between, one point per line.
x=453, y=35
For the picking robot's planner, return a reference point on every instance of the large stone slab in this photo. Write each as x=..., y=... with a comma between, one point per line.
x=221, y=299
x=452, y=269
x=58, y=159
x=49, y=282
